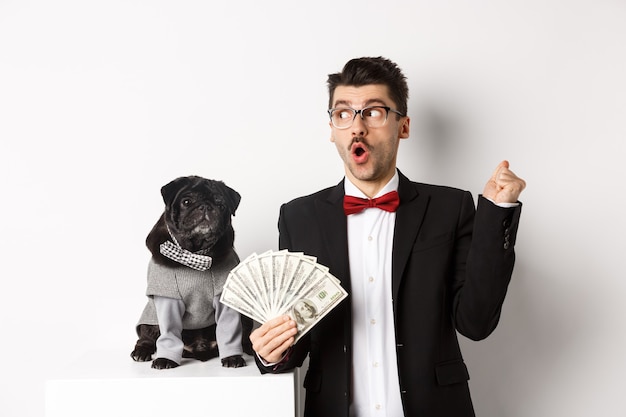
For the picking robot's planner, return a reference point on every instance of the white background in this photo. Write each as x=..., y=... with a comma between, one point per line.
x=103, y=102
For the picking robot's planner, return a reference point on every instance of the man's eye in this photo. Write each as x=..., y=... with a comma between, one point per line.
x=373, y=113
x=344, y=114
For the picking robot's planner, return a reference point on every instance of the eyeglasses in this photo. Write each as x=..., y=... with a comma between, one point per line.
x=373, y=116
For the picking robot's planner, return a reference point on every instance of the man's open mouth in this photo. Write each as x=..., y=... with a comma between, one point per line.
x=359, y=152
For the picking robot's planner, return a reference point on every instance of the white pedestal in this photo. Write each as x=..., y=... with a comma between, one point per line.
x=111, y=384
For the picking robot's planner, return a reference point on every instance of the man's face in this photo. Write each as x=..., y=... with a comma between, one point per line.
x=369, y=154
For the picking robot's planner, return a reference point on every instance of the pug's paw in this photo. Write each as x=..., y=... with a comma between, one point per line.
x=163, y=363
x=141, y=354
x=236, y=361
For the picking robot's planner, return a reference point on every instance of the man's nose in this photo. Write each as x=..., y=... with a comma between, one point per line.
x=358, y=127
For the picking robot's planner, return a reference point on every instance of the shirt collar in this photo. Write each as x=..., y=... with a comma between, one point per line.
x=351, y=189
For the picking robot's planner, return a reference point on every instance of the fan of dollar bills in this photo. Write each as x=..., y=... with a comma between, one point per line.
x=273, y=283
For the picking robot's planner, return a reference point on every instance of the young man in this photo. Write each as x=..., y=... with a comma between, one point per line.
x=419, y=266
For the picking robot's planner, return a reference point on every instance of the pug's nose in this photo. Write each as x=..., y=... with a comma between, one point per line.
x=208, y=211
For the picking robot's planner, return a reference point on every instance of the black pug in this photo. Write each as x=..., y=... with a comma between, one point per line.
x=192, y=254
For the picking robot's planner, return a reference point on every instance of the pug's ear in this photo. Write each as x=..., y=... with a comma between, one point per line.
x=171, y=189
x=232, y=198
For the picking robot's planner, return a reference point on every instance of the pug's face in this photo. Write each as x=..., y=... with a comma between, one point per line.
x=198, y=211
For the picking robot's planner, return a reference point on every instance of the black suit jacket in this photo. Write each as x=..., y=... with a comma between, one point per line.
x=450, y=271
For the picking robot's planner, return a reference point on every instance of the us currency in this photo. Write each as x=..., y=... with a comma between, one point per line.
x=299, y=278
x=279, y=260
x=236, y=298
x=276, y=283
x=315, y=304
x=288, y=270
x=247, y=275
x=267, y=272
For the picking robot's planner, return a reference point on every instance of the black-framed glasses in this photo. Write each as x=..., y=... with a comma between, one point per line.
x=372, y=116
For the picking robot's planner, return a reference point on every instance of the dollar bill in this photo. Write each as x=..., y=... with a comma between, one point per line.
x=233, y=297
x=308, y=309
x=280, y=282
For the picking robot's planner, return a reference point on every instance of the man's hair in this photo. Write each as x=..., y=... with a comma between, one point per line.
x=359, y=72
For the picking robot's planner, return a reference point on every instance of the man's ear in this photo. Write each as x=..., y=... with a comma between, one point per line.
x=405, y=128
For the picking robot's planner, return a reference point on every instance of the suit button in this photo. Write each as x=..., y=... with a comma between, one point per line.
x=506, y=245
x=506, y=223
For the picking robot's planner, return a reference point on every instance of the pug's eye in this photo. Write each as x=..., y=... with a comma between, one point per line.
x=186, y=202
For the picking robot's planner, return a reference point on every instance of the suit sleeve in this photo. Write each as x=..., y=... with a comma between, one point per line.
x=481, y=282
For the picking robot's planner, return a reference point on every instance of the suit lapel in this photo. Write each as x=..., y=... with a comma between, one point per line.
x=409, y=218
x=335, y=233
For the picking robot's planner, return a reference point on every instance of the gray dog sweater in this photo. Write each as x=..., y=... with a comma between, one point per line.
x=184, y=298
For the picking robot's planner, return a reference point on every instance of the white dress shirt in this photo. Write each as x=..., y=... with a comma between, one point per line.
x=375, y=383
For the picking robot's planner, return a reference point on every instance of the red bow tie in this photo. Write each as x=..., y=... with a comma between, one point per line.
x=387, y=202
